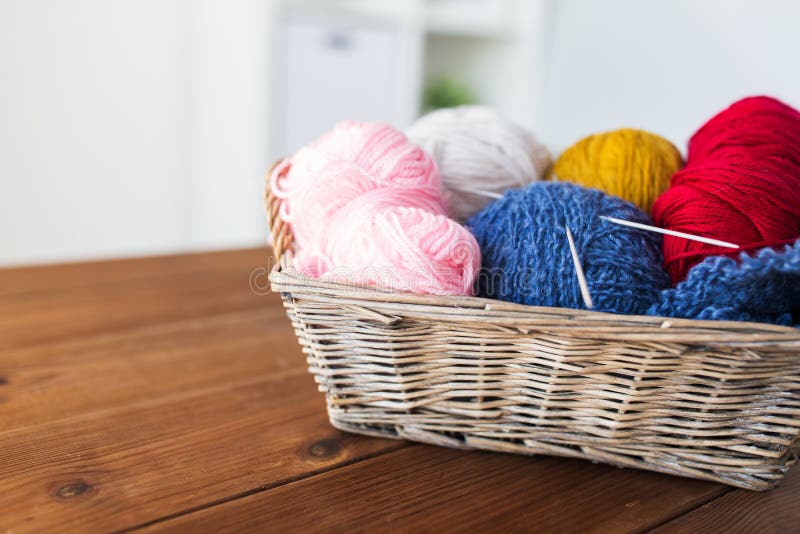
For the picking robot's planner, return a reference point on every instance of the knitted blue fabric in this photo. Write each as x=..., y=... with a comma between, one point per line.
x=764, y=287
x=526, y=256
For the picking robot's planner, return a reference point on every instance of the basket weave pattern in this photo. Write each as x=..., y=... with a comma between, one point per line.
x=702, y=399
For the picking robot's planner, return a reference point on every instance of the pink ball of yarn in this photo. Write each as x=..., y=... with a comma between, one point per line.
x=345, y=163
x=401, y=249
x=347, y=241
x=367, y=207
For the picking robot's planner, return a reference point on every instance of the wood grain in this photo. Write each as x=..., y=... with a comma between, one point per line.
x=140, y=394
x=65, y=302
x=427, y=489
x=165, y=394
x=59, y=380
x=40, y=279
x=775, y=511
x=123, y=466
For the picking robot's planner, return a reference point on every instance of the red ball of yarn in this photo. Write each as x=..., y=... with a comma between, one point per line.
x=741, y=184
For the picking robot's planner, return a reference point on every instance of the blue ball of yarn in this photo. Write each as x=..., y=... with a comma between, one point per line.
x=764, y=287
x=526, y=255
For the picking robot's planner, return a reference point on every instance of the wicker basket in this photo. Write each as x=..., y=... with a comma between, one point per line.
x=703, y=399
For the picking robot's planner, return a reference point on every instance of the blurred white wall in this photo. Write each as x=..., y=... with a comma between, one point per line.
x=664, y=66
x=131, y=127
x=141, y=126
x=232, y=120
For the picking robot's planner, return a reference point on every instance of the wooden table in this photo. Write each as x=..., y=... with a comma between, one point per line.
x=166, y=394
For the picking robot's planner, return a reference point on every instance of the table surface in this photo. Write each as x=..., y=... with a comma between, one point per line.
x=169, y=393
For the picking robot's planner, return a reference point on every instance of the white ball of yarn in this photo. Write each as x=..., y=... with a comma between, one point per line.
x=479, y=155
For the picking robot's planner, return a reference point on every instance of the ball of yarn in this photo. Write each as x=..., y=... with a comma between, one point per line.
x=763, y=287
x=479, y=154
x=526, y=255
x=342, y=165
x=741, y=184
x=402, y=249
x=366, y=207
x=631, y=164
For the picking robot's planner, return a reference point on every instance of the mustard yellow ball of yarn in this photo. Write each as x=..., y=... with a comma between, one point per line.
x=631, y=164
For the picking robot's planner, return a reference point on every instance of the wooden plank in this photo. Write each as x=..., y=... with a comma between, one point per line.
x=428, y=489
x=77, y=275
x=53, y=307
x=776, y=511
x=112, y=469
x=149, y=389
x=76, y=377
x=164, y=393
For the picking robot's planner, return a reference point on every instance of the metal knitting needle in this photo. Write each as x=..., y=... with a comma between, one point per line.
x=587, y=298
x=656, y=229
x=480, y=192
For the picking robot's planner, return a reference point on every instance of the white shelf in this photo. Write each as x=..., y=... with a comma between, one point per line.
x=469, y=18
x=492, y=46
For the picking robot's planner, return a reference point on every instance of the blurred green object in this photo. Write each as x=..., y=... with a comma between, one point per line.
x=446, y=92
